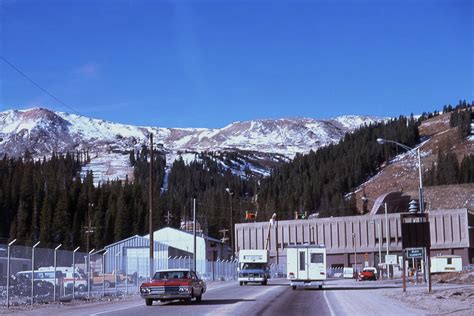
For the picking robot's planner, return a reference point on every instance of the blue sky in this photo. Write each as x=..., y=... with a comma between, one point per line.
x=208, y=63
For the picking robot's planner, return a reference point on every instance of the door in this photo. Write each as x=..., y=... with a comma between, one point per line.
x=316, y=264
x=302, y=264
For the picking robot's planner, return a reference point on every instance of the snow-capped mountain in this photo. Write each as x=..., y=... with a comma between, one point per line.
x=42, y=131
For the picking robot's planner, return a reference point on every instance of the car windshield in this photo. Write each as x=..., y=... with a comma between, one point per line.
x=250, y=266
x=172, y=275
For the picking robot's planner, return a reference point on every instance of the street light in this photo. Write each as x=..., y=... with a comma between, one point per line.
x=355, y=253
x=231, y=220
x=364, y=198
x=379, y=230
x=383, y=141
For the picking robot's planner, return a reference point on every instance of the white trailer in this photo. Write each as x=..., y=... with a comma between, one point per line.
x=306, y=265
x=253, y=266
x=447, y=263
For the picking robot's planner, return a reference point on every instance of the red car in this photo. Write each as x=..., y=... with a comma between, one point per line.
x=368, y=273
x=173, y=284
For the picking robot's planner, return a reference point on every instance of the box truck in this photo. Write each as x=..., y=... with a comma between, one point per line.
x=253, y=266
x=306, y=265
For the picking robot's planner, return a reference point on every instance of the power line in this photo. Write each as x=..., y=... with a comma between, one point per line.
x=38, y=86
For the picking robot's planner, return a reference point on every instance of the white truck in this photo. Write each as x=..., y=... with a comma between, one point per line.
x=253, y=266
x=306, y=265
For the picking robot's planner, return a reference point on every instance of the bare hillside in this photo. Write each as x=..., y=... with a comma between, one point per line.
x=401, y=174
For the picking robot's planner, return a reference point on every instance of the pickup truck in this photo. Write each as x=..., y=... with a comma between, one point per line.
x=173, y=284
x=109, y=279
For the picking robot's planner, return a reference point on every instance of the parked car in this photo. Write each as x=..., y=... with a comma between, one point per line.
x=43, y=275
x=368, y=273
x=173, y=284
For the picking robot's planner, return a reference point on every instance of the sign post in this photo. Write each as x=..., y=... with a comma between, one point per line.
x=415, y=237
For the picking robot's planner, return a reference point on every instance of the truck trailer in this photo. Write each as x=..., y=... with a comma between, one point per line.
x=446, y=263
x=306, y=265
x=253, y=266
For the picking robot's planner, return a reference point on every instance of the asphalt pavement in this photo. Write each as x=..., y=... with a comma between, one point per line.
x=338, y=297
x=276, y=298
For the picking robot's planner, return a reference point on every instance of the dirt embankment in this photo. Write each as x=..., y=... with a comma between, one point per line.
x=453, y=294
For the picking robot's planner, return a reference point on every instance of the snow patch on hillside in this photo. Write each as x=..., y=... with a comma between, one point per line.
x=109, y=167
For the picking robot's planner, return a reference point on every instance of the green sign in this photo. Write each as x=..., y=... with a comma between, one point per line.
x=415, y=253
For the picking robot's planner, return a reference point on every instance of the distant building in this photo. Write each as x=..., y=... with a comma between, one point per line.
x=132, y=254
x=358, y=238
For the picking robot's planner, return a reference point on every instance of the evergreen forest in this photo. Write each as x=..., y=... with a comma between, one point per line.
x=49, y=200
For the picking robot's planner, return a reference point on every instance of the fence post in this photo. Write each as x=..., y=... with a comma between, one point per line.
x=74, y=271
x=89, y=273
x=103, y=273
x=126, y=275
x=32, y=271
x=8, y=272
x=55, y=264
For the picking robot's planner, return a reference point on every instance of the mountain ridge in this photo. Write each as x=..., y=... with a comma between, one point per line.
x=286, y=136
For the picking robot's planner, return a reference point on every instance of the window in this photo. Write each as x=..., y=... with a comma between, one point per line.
x=302, y=260
x=317, y=258
x=450, y=260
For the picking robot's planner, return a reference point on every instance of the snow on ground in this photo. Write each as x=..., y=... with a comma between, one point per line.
x=108, y=167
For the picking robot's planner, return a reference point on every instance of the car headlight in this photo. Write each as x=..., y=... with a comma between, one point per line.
x=144, y=290
x=183, y=289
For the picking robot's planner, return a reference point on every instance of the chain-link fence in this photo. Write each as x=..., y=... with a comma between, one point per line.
x=39, y=275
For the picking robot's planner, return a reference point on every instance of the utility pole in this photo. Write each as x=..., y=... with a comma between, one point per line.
x=89, y=229
x=231, y=221
x=194, y=234
x=168, y=218
x=150, y=216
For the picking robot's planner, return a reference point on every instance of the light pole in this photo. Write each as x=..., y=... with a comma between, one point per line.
x=231, y=221
x=379, y=231
x=74, y=271
x=33, y=271
x=355, y=253
x=383, y=141
x=55, y=264
x=364, y=198
x=8, y=272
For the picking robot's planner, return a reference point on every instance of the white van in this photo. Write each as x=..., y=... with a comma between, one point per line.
x=348, y=273
x=306, y=265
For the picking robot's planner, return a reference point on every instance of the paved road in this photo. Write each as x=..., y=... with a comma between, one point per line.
x=277, y=298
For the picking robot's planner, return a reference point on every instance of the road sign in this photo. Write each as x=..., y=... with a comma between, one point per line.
x=391, y=259
x=414, y=253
